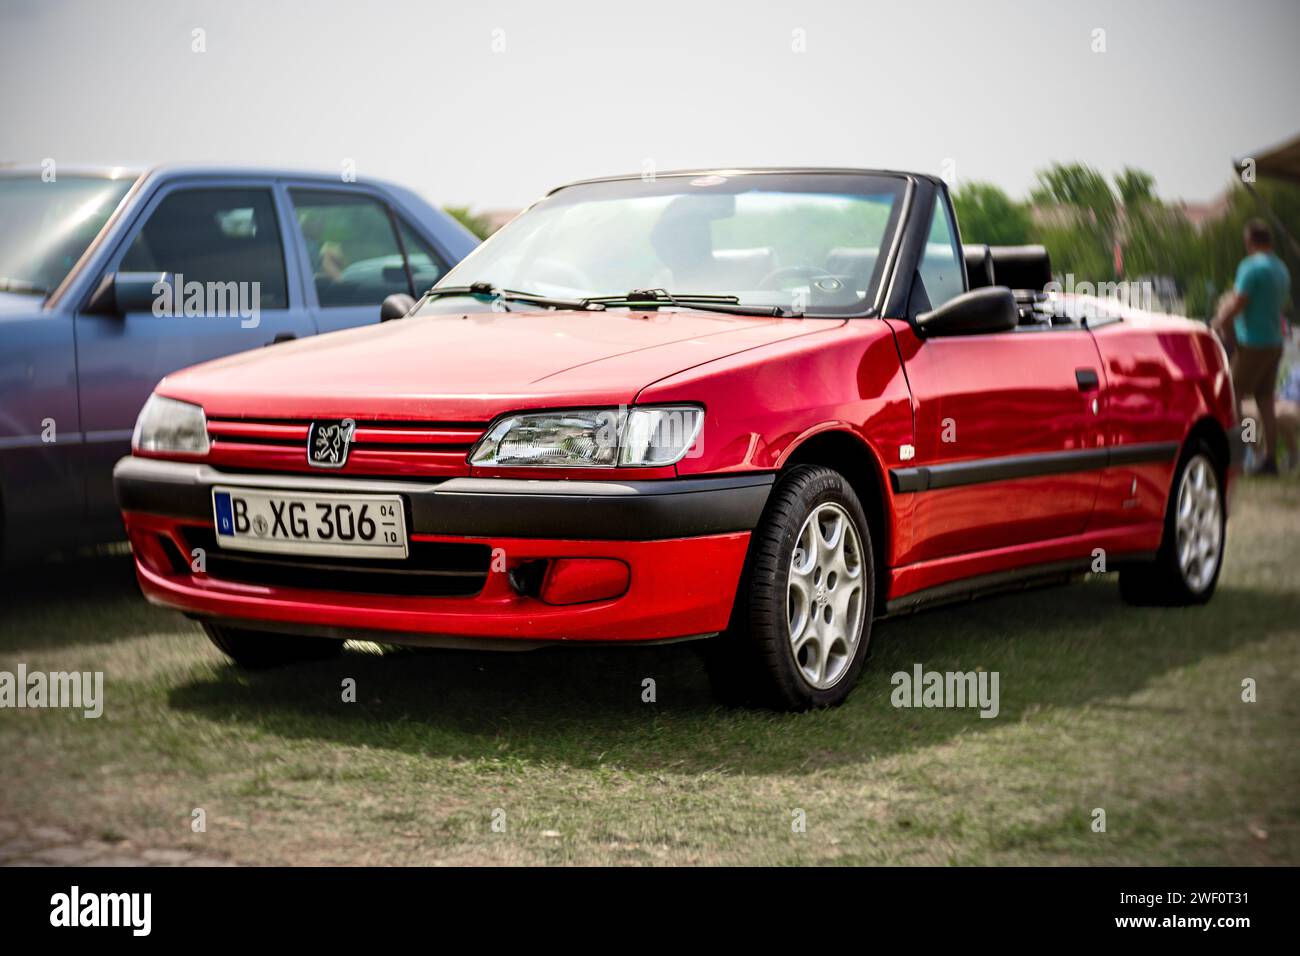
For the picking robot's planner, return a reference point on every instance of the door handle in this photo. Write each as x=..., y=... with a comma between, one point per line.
x=282, y=337
x=1086, y=378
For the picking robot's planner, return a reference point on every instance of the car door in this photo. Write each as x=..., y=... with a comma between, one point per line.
x=1008, y=429
x=357, y=251
x=40, y=435
x=46, y=226
x=207, y=234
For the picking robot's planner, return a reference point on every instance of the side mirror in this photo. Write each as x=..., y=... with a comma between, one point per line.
x=992, y=309
x=121, y=292
x=396, y=306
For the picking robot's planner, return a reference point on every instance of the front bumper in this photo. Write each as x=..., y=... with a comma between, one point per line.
x=683, y=544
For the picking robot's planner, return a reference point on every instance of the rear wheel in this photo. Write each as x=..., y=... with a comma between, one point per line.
x=1186, y=568
x=802, y=620
x=256, y=650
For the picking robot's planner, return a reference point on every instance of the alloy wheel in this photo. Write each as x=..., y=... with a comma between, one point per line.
x=826, y=595
x=1198, y=524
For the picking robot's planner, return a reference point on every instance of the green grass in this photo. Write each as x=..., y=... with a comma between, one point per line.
x=1137, y=711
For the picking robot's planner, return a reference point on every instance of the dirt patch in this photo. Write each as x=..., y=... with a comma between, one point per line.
x=54, y=846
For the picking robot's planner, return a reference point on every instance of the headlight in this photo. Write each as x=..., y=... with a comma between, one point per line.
x=166, y=425
x=660, y=434
x=592, y=438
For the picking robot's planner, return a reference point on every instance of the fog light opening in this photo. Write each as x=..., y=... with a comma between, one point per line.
x=526, y=577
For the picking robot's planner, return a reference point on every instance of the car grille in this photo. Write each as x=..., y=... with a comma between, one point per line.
x=398, y=448
x=432, y=569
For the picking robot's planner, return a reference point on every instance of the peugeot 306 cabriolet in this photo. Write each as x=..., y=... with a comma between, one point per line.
x=758, y=407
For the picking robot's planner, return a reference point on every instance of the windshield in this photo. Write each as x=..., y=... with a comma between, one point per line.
x=806, y=242
x=46, y=226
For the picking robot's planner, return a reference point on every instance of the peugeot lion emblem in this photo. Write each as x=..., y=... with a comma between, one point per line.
x=327, y=443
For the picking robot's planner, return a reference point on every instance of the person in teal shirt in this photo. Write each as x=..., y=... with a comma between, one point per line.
x=1253, y=313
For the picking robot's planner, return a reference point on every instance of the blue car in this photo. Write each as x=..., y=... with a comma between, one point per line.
x=111, y=278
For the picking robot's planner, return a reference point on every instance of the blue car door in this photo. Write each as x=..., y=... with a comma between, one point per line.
x=223, y=241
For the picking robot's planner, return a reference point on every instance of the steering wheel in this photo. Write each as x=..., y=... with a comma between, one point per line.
x=773, y=279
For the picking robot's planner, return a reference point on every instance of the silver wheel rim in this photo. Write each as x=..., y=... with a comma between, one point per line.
x=1198, y=524
x=826, y=596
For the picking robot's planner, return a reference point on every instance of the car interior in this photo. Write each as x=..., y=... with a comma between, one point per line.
x=214, y=235
x=1025, y=270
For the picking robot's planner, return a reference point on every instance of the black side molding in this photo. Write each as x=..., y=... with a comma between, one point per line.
x=984, y=470
x=1140, y=454
x=1012, y=579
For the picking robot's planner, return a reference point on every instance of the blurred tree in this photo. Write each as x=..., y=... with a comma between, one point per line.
x=475, y=223
x=1082, y=243
x=1080, y=187
x=1076, y=251
x=986, y=214
x=1086, y=216
x=1135, y=186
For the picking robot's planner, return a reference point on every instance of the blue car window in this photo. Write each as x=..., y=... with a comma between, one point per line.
x=351, y=247
x=427, y=267
x=214, y=235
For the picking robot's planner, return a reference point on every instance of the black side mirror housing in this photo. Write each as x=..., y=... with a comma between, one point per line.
x=980, y=311
x=396, y=306
x=121, y=292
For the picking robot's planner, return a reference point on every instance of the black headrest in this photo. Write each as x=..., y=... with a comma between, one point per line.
x=979, y=265
x=1021, y=267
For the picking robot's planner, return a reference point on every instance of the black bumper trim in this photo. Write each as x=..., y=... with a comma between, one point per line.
x=483, y=507
x=984, y=470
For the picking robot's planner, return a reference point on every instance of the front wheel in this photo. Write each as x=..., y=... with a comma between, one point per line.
x=802, y=621
x=1186, y=568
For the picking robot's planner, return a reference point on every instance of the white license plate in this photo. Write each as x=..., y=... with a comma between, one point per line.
x=300, y=522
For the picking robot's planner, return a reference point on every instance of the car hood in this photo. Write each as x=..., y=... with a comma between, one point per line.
x=473, y=367
x=14, y=303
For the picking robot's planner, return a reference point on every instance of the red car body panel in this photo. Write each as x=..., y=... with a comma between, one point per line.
x=985, y=454
x=434, y=372
x=1163, y=375
x=471, y=368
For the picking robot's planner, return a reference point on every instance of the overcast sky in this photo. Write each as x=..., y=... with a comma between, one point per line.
x=492, y=102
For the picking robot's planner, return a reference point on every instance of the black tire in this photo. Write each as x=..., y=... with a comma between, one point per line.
x=754, y=662
x=1162, y=582
x=257, y=650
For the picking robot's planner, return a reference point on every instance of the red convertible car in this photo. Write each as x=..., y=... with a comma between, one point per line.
x=764, y=407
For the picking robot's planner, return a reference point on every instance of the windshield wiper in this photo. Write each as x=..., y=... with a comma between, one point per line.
x=654, y=298
x=22, y=285
x=637, y=298
x=489, y=291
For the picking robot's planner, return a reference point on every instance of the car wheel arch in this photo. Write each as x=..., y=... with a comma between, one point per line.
x=1211, y=431
x=848, y=453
